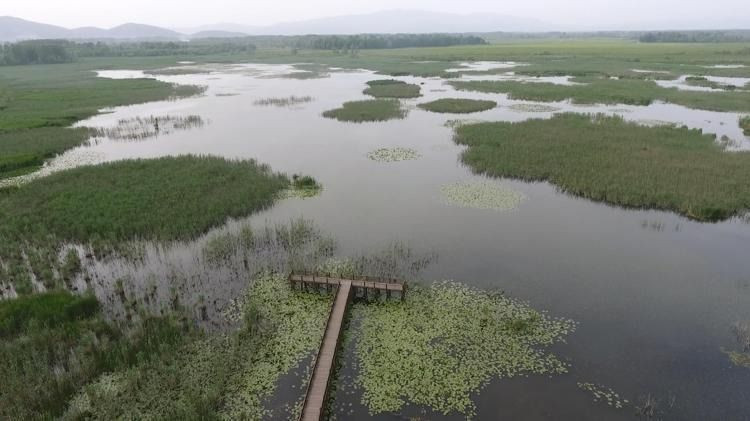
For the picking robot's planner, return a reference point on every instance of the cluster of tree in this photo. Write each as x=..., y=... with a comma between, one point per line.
x=378, y=41
x=61, y=51
x=35, y=52
x=172, y=48
x=365, y=41
x=696, y=36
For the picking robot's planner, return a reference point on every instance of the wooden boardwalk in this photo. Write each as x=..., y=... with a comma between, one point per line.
x=317, y=389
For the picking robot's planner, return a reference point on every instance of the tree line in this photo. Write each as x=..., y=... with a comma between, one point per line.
x=696, y=36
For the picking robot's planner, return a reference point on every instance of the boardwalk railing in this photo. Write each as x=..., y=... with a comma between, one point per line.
x=316, y=393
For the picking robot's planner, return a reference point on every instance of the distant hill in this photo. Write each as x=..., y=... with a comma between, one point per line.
x=15, y=29
x=216, y=34
x=408, y=21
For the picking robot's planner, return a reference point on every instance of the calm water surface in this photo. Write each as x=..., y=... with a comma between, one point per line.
x=655, y=294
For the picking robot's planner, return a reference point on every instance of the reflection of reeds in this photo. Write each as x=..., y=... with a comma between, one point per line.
x=283, y=102
x=140, y=128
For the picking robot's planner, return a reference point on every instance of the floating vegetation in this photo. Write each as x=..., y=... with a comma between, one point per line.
x=283, y=102
x=227, y=376
x=445, y=343
x=458, y=105
x=368, y=111
x=745, y=125
x=604, y=394
x=481, y=195
x=177, y=71
x=741, y=358
x=141, y=128
x=533, y=108
x=226, y=94
x=393, y=154
x=392, y=89
x=620, y=110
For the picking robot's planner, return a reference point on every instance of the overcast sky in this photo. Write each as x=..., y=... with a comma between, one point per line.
x=184, y=13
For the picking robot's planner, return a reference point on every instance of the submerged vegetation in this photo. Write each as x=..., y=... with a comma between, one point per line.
x=659, y=167
x=283, y=102
x=368, y=111
x=110, y=203
x=392, y=89
x=445, y=343
x=393, y=154
x=142, y=128
x=481, y=195
x=458, y=105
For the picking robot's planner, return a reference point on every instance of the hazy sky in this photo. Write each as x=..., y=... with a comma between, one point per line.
x=181, y=13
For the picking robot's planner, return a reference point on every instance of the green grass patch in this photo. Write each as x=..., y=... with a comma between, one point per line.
x=368, y=111
x=703, y=82
x=607, y=91
x=392, y=89
x=163, y=199
x=610, y=160
x=442, y=345
x=745, y=125
x=458, y=105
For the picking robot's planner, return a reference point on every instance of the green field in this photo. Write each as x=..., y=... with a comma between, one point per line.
x=607, y=159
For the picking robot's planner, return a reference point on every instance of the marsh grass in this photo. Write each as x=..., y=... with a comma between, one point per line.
x=442, y=345
x=142, y=128
x=458, y=105
x=283, y=102
x=55, y=343
x=392, y=89
x=533, y=108
x=163, y=199
x=704, y=82
x=608, y=159
x=606, y=91
x=373, y=110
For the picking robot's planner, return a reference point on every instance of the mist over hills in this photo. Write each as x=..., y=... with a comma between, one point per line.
x=389, y=21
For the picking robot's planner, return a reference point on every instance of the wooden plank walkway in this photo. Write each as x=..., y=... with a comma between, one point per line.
x=317, y=389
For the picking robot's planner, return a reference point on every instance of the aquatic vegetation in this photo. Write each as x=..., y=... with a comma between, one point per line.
x=741, y=331
x=284, y=102
x=606, y=91
x=452, y=124
x=54, y=343
x=458, y=105
x=393, y=154
x=304, y=186
x=533, y=108
x=226, y=94
x=108, y=204
x=24, y=151
x=142, y=128
x=669, y=168
x=655, y=123
x=68, y=160
x=368, y=111
x=223, y=376
x=745, y=125
x=604, y=394
x=445, y=343
x=392, y=89
x=704, y=82
x=481, y=195
x=178, y=71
